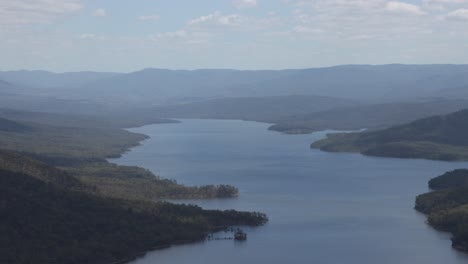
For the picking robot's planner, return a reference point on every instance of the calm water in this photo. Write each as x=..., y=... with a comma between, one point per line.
x=323, y=207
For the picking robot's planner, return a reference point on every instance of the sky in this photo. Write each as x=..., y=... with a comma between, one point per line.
x=124, y=35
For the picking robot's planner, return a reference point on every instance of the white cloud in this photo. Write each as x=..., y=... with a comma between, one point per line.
x=100, y=12
x=181, y=37
x=401, y=7
x=442, y=5
x=172, y=35
x=149, y=18
x=308, y=30
x=87, y=36
x=459, y=14
x=218, y=19
x=233, y=21
x=359, y=20
x=15, y=12
x=245, y=3
x=447, y=1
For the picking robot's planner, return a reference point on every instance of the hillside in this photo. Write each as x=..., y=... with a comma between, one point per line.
x=11, y=126
x=370, y=116
x=88, y=210
x=17, y=163
x=357, y=82
x=6, y=87
x=263, y=109
x=159, y=86
x=437, y=137
x=46, y=79
x=447, y=206
x=83, y=152
x=43, y=223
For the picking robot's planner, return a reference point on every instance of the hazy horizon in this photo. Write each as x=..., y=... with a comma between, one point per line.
x=228, y=69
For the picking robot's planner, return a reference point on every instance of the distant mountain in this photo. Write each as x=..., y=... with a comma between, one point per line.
x=93, y=92
x=12, y=126
x=158, y=86
x=372, y=116
x=264, y=109
x=381, y=82
x=45, y=79
x=23, y=98
x=6, y=87
x=358, y=82
x=453, y=92
x=438, y=137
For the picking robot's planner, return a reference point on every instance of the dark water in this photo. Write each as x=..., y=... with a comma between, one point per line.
x=323, y=207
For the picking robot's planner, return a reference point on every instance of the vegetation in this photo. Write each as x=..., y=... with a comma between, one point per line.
x=11, y=126
x=451, y=179
x=437, y=138
x=62, y=202
x=83, y=152
x=372, y=117
x=137, y=183
x=43, y=223
x=447, y=206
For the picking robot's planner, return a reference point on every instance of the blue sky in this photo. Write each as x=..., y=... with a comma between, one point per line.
x=124, y=35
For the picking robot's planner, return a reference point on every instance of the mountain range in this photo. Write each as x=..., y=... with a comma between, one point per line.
x=160, y=86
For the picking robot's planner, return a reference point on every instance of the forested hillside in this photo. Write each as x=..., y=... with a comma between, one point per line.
x=61, y=202
x=44, y=223
x=438, y=137
x=447, y=206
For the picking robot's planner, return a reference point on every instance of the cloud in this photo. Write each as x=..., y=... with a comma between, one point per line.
x=459, y=14
x=179, y=34
x=442, y=5
x=149, y=18
x=16, y=12
x=359, y=20
x=446, y=1
x=244, y=3
x=308, y=30
x=87, y=36
x=218, y=20
x=400, y=7
x=100, y=12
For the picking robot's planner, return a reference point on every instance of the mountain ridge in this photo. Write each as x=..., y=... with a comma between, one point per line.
x=440, y=137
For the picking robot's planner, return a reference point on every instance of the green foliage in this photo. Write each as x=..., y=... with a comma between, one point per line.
x=137, y=183
x=70, y=143
x=372, y=117
x=15, y=162
x=447, y=208
x=88, y=210
x=42, y=223
x=451, y=179
x=83, y=152
x=436, y=138
x=11, y=126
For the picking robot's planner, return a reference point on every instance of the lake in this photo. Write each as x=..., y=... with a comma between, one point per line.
x=331, y=208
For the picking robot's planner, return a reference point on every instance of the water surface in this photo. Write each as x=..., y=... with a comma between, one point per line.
x=323, y=207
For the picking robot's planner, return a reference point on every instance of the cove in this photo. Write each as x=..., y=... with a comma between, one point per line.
x=323, y=207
